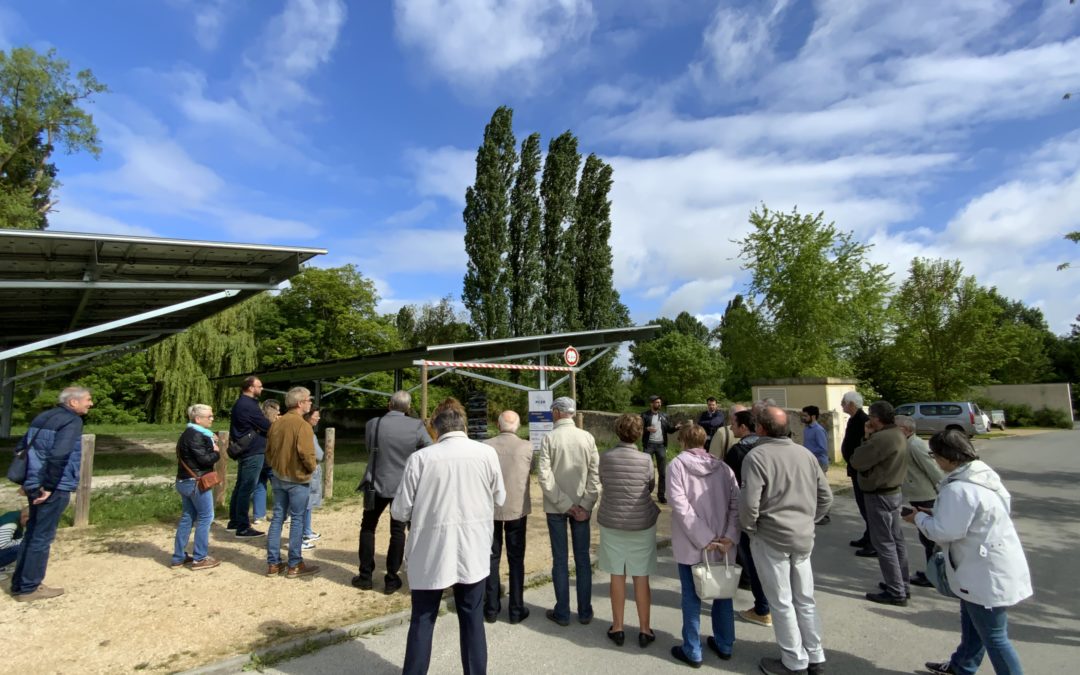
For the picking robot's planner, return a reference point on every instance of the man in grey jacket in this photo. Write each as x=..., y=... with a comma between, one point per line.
x=921, y=485
x=390, y=440
x=784, y=493
x=515, y=460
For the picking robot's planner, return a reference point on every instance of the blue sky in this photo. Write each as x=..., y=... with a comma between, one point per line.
x=932, y=128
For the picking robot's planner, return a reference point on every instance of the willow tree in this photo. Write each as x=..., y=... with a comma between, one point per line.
x=184, y=364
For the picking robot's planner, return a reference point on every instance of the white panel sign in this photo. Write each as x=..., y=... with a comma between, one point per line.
x=540, y=421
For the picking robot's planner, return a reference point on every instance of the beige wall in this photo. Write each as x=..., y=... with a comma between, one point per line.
x=1055, y=396
x=825, y=396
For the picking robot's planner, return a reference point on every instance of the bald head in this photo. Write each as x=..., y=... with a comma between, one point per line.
x=509, y=421
x=773, y=422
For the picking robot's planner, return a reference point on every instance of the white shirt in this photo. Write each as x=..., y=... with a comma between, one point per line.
x=449, y=491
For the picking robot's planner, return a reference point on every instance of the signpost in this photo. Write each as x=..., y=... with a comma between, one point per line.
x=540, y=421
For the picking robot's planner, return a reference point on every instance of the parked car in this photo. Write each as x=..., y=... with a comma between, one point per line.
x=934, y=416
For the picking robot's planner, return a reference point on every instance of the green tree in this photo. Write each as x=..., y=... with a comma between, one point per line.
x=123, y=390
x=680, y=368
x=1074, y=237
x=524, y=262
x=486, y=215
x=742, y=340
x=433, y=324
x=41, y=106
x=557, y=308
x=1024, y=342
x=945, y=337
x=808, y=279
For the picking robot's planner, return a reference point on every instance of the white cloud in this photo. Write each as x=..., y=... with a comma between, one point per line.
x=293, y=46
x=415, y=251
x=413, y=215
x=696, y=295
x=71, y=218
x=210, y=19
x=442, y=172
x=738, y=43
x=476, y=42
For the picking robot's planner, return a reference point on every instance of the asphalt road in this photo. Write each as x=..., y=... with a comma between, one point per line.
x=1041, y=471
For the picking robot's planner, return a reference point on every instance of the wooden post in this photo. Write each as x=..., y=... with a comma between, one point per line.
x=222, y=468
x=579, y=419
x=328, y=464
x=423, y=392
x=86, y=473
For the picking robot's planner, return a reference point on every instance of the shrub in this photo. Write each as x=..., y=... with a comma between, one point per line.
x=1044, y=417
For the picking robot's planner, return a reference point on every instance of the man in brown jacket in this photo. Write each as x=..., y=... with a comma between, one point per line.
x=290, y=452
x=881, y=462
x=515, y=459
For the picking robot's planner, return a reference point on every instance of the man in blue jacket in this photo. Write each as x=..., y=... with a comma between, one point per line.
x=247, y=436
x=55, y=443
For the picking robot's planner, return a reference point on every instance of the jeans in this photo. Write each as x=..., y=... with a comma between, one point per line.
x=258, y=495
x=761, y=603
x=198, y=511
x=560, y=571
x=788, y=581
x=659, y=451
x=984, y=630
x=307, y=523
x=468, y=601
x=395, y=553
x=514, y=531
x=247, y=475
x=37, y=540
x=291, y=497
x=883, y=519
x=10, y=554
x=723, y=618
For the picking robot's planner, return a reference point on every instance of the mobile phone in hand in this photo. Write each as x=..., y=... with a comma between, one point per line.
x=907, y=511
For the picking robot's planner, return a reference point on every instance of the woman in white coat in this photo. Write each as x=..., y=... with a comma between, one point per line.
x=985, y=563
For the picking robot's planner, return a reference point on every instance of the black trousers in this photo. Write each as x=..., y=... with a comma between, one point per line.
x=659, y=451
x=396, y=551
x=514, y=532
x=860, y=501
x=928, y=545
x=468, y=600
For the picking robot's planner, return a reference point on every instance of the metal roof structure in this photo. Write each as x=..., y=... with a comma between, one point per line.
x=537, y=346
x=70, y=290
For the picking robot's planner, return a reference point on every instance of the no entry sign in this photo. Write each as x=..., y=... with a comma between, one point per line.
x=571, y=356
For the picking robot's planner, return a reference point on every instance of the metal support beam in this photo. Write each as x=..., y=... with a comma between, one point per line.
x=493, y=380
x=543, y=373
x=94, y=330
x=365, y=391
x=7, y=392
x=341, y=387
x=140, y=285
x=430, y=379
x=81, y=357
x=564, y=378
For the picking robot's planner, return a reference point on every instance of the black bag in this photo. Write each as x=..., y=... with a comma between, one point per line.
x=240, y=445
x=20, y=462
x=367, y=487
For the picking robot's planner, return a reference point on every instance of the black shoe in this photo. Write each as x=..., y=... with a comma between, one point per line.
x=942, y=668
x=491, y=618
x=250, y=532
x=230, y=526
x=711, y=642
x=816, y=668
x=550, y=614
x=393, y=585
x=584, y=620
x=866, y=553
x=521, y=616
x=618, y=637
x=882, y=586
x=886, y=598
x=662, y=500
x=680, y=655
x=859, y=543
x=363, y=583
x=776, y=667
x=645, y=639
x=921, y=580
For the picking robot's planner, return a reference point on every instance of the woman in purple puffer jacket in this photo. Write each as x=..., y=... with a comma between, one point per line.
x=704, y=498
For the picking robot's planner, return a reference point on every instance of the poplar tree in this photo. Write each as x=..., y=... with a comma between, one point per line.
x=558, y=310
x=486, y=216
x=524, y=262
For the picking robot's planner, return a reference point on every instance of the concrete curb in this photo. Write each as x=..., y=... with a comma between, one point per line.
x=333, y=636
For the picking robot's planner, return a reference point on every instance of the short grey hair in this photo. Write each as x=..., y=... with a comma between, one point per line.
x=905, y=422
x=400, y=401
x=509, y=421
x=447, y=420
x=565, y=405
x=270, y=404
x=199, y=410
x=294, y=396
x=852, y=397
x=72, y=393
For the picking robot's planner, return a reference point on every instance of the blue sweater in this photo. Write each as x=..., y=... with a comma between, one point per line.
x=815, y=441
x=247, y=415
x=55, y=451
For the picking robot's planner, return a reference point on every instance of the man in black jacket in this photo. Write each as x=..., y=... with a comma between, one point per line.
x=656, y=428
x=852, y=403
x=711, y=420
x=247, y=429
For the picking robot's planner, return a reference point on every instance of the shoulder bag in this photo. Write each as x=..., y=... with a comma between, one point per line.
x=20, y=461
x=719, y=583
x=203, y=482
x=367, y=486
x=240, y=445
x=935, y=572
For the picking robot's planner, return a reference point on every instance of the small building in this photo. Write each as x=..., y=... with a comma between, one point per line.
x=794, y=393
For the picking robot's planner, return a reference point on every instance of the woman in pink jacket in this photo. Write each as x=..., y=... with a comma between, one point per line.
x=704, y=498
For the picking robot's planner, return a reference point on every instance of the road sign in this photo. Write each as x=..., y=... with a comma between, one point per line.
x=571, y=356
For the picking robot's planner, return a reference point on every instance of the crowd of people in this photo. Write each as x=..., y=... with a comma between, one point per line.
x=740, y=490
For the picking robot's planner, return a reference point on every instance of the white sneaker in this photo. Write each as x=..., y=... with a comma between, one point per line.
x=314, y=536
x=307, y=546
x=257, y=521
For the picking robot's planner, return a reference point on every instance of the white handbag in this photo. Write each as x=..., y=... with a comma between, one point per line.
x=715, y=583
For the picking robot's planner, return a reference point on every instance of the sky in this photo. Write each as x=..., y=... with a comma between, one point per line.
x=932, y=128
